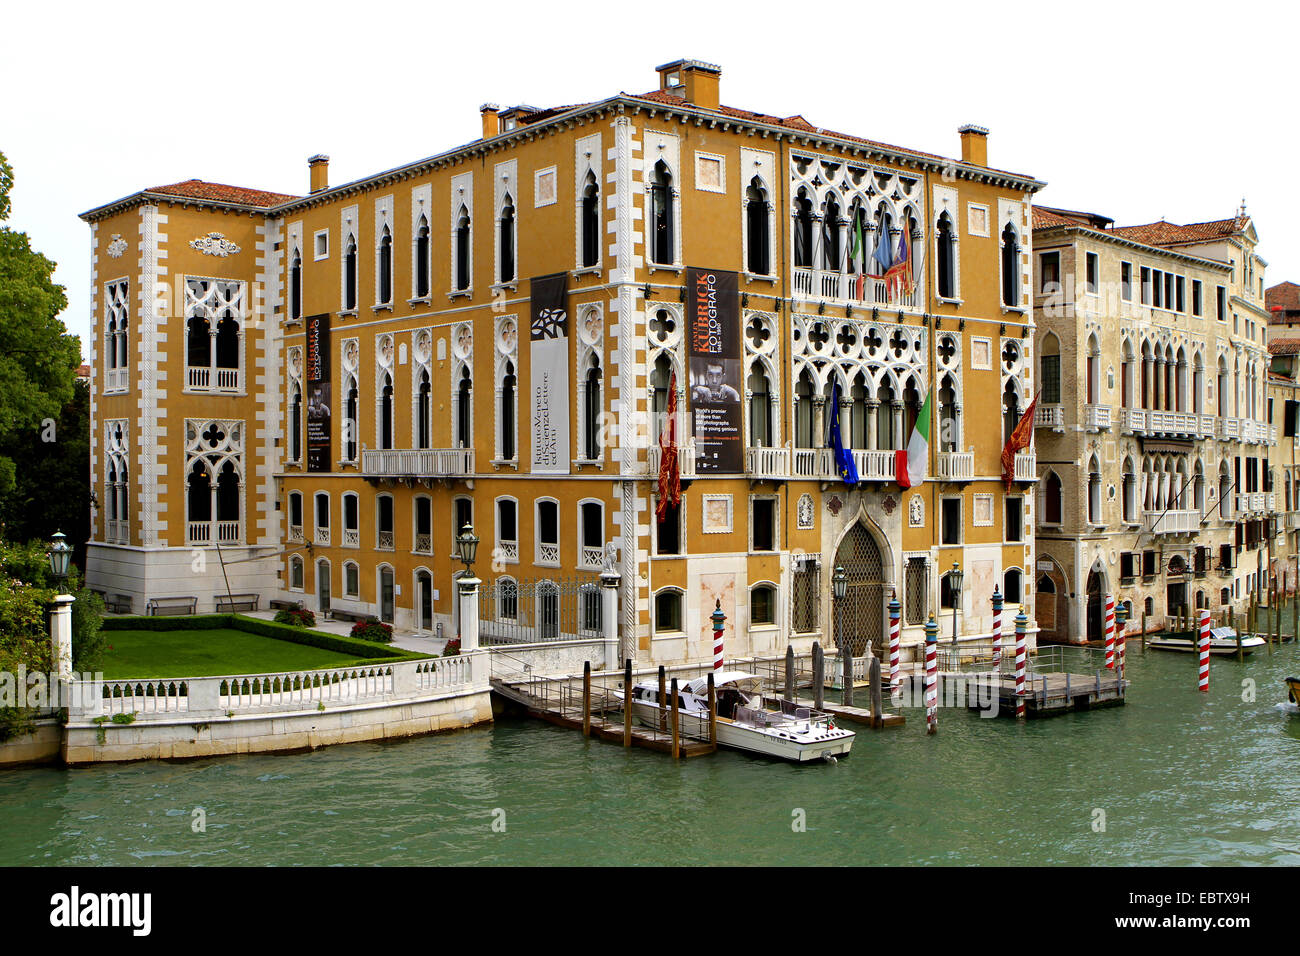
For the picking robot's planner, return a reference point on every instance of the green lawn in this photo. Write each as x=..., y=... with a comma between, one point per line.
x=209, y=653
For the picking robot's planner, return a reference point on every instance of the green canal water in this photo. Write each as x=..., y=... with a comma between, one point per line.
x=1175, y=778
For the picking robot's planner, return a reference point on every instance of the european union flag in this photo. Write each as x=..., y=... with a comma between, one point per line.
x=845, y=467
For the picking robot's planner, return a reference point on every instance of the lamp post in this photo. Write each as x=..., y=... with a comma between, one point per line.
x=719, y=619
x=839, y=588
x=954, y=578
x=467, y=585
x=61, y=619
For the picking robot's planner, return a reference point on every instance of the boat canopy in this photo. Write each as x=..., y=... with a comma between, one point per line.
x=744, y=682
x=1223, y=634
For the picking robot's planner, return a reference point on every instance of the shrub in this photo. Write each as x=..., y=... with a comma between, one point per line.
x=372, y=629
x=452, y=648
x=298, y=617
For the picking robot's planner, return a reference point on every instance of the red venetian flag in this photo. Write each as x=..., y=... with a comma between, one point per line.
x=1020, y=438
x=670, y=477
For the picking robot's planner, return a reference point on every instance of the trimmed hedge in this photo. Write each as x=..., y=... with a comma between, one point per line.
x=353, y=647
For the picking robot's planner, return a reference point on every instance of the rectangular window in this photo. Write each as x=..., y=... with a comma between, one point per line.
x=1157, y=289
x=1148, y=564
x=951, y=521
x=1051, y=379
x=1015, y=519
x=1126, y=281
x=1092, y=267
x=668, y=533
x=322, y=244
x=1146, y=286
x=668, y=611
x=916, y=591
x=1221, y=302
x=805, y=599
x=1225, y=555
x=1049, y=272
x=764, y=524
x=1169, y=291
x=1289, y=419
x=1198, y=308
x=1127, y=566
x=1180, y=293
x=464, y=514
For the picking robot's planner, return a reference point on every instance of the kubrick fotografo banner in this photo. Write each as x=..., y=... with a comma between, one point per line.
x=713, y=324
x=549, y=370
x=318, y=392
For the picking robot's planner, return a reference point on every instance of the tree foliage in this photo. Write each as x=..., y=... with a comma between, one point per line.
x=38, y=358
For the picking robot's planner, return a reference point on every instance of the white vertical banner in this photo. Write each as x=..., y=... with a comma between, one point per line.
x=548, y=370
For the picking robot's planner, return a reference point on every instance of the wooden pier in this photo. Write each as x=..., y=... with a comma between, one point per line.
x=1046, y=694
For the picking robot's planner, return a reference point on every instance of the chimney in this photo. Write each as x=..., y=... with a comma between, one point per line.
x=491, y=121
x=320, y=172
x=974, y=144
x=693, y=80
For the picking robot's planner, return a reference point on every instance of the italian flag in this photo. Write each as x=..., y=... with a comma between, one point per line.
x=910, y=465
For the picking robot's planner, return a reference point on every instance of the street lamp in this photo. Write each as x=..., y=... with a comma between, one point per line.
x=954, y=579
x=467, y=545
x=60, y=557
x=839, y=588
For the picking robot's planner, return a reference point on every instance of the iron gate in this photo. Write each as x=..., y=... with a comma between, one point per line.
x=860, y=615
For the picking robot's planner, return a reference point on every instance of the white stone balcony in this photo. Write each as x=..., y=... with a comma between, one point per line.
x=772, y=463
x=1172, y=423
x=591, y=558
x=507, y=551
x=417, y=462
x=212, y=379
x=1096, y=417
x=351, y=538
x=115, y=380
x=548, y=553
x=322, y=536
x=295, y=533
x=956, y=466
x=385, y=541
x=685, y=460
x=1229, y=429
x=1133, y=421
x=1026, y=467
x=1207, y=426
x=1270, y=502
x=1171, y=521
x=817, y=285
x=424, y=544
x=1050, y=416
x=208, y=532
x=1292, y=520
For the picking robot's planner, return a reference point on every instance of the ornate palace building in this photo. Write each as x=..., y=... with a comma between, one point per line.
x=308, y=396
x=1154, y=430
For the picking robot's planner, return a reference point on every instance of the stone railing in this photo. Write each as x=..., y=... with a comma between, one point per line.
x=772, y=463
x=206, y=532
x=1133, y=420
x=1229, y=429
x=956, y=466
x=1049, y=416
x=417, y=462
x=1171, y=521
x=1026, y=467
x=818, y=285
x=1096, y=416
x=288, y=691
x=115, y=380
x=685, y=460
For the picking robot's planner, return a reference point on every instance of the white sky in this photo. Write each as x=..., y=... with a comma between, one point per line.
x=1134, y=111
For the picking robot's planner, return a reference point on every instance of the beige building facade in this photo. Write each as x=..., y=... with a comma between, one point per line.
x=1154, y=430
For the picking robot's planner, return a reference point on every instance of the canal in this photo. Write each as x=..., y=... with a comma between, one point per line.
x=1174, y=778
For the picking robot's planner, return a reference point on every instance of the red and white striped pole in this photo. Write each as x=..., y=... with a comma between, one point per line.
x=718, y=619
x=1205, y=650
x=1110, y=632
x=895, y=612
x=997, y=628
x=931, y=675
x=1022, y=623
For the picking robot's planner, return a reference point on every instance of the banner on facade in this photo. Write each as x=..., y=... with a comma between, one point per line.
x=318, y=392
x=716, y=371
x=548, y=369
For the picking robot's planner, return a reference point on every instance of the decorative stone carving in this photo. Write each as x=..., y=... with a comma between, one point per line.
x=117, y=246
x=215, y=244
x=889, y=504
x=916, y=511
x=834, y=505
x=806, y=512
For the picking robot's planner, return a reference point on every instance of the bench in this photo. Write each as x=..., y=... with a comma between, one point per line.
x=172, y=605
x=237, y=602
x=348, y=616
x=117, y=603
x=278, y=604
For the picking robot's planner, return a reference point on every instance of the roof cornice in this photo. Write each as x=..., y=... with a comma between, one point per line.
x=1086, y=232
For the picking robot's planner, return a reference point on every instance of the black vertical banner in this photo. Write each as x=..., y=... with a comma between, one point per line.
x=318, y=393
x=548, y=372
x=713, y=324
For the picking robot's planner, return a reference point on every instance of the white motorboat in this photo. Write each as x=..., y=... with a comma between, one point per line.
x=746, y=720
x=1223, y=642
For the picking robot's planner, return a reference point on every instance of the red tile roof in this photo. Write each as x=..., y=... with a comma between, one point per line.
x=217, y=192
x=1284, y=347
x=1284, y=295
x=1164, y=233
x=1046, y=219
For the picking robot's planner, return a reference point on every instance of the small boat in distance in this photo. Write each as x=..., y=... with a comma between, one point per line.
x=1223, y=642
x=746, y=719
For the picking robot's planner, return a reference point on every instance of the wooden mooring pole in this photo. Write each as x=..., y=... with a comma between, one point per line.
x=846, y=656
x=1144, y=632
x=677, y=740
x=586, y=699
x=789, y=672
x=663, y=699
x=877, y=695
x=819, y=675
x=627, y=703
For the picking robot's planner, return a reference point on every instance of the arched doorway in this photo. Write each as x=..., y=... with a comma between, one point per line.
x=1094, y=605
x=423, y=601
x=860, y=618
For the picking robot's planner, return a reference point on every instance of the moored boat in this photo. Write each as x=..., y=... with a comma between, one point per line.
x=1223, y=642
x=746, y=719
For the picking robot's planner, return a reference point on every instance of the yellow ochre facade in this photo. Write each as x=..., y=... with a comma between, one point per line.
x=402, y=316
